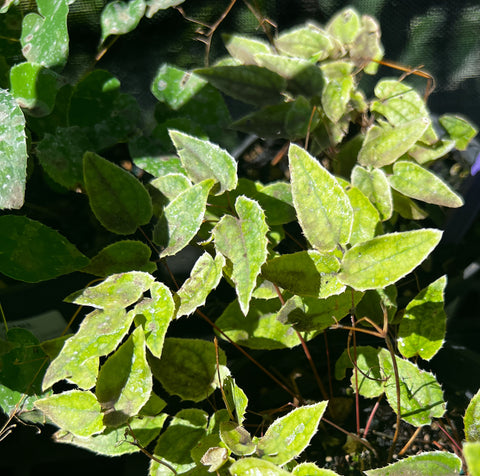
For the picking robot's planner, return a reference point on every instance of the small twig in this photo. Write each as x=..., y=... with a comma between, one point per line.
x=372, y=414
x=409, y=442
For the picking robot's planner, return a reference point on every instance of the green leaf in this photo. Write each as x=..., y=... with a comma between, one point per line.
x=174, y=446
x=407, y=208
x=377, y=301
x=203, y=160
x=306, y=273
x=74, y=411
x=118, y=200
x=256, y=467
x=323, y=208
x=276, y=201
x=344, y=26
x=243, y=241
x=424, y=153
x=13, y=153
x=249, y=83
x=472, y=419
x=44, y=35
x=471, y=453
x=154, y=5
x=417, y=182
x=121, y=257
x=460, y=130
x=124, y=382
x=310, y=469
x=61, y=155
x=384, y=145
x=259, y=329
x=244, y=49
x=182, y=218
x=421, y=397
x=118, y=17
x=367, y=45
x=289, y=435
x=236, y=399
x=374, y=184
x=423, y=326
x=385, y=259
x=34, y=87
x=433, y=463
x=155, y=315
x=204, y=277
x=99, y=334
x=118, y=290
x=236, y=438
x=312, y=314
x=188, y=368
x=34, y=252
x=306, y=42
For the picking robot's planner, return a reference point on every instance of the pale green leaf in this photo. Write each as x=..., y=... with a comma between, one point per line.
x=367, y=45
x=374, y=185
x=182, y=218
x=423, y=326
x=121, y=17
x=472, y=419
x=417, y=182
x=171, y=185
x=424, y=153
x=74, y=411
x=118, y=200
x=243, y=242
x=44, y=35
x=124, y=382
x=471, y=453
x=13, y=152
x=99, y=334
x=306, y=273
x=204, y=277
x=155, y=315
x=459, y=129
x=307, y=42
x=259, y=329
x=323, y=208
x=236, y=438
x=153, y=6
x=34, y=252
x=188, y=368
x=335, y=98
x=204, y=160
x=244, y=49
x=421, y=397
x=434, y=463
x=256, y=467
x=385, y=259
x=406, y=207
x=311, y=469
x=289, y=435
x=384, y=145
x=118, y=290
x=344, y=26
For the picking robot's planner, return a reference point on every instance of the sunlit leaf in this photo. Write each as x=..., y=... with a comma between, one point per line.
x=121, y=17
x=472, y=419
x=310, y=469
x=471, y=453
x=153, y=6
x=244, y=49
x=256, y=467
x=235, y=398
x=236, y=438
x=459, y=129
x=344, y=26
x=367, y=46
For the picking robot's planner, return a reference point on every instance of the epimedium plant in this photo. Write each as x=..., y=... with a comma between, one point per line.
x=359, y=169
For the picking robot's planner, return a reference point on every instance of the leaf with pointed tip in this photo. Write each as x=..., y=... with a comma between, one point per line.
x=204, y=277
x=236, y=438
x=344, y=26
x=422, y=328
x=424, y=153
x=243, y=241
x=306, y=42
x=75, y=411
x=414, y=181
x=118, y=290
x=154, y=5
x=384, y=145
x=306, y=273
x=118, y=200
x=182, y=218
x=374, y=184
x=323, y=208
x=289, y=435
x=171, y=185
x=44, y=35
x=13, y=153
x=204, y=160
x=118, y=18
x=433, y=463
x=235, y=398
x=460, y=130
x=248, y=83
x=244, y=48
x=34, y=252
x=421, y=397
x=155, y=315
x=472, y=419
x=385, y=259
x=124, y=382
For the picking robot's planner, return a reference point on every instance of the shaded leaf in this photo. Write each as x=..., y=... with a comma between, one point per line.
x=34, y=252
x=406, y=207
x=459, y=129
x=235, y=398
x=367, y=45
x=385, y=259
